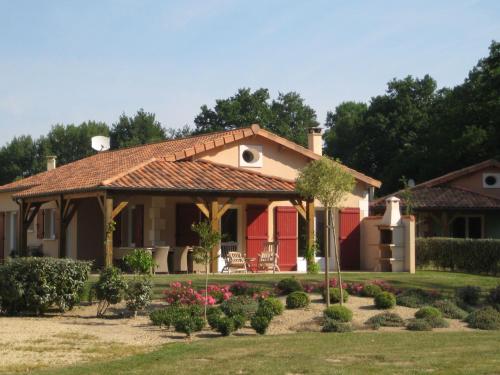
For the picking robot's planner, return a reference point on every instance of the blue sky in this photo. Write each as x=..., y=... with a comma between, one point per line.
x=68, y=61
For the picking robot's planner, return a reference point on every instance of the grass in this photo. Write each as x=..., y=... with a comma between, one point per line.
x=315, y=353
x=446, y=282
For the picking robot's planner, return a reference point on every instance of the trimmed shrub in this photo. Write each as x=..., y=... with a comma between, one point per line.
x=428, y=312
x=239, y=305
x=416, y=297
x=385, y=300
x=458, y=254
x=259, y=324
x=450, y=310
x=214, y=315
x=242, y=288
x=289, y=285
x=469, y=295
x=437, y=322
x=494, y=297
x=418, y=325
x=187, y=323
x=166, y=317
x=33, y=285
x=239, y=321
x=486, y=318
x=265, y=310
x=385, y=319
x=109, y=289
x=331, y=325
x=138, y=294
x=370, y=290
x=335, y=295
x=297, y=300
x=273, y=304
x=338, y=313
x=226, y=326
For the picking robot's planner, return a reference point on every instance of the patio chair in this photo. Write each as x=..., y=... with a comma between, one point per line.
x=160, y=257
x=236, y=261
x=268, y=258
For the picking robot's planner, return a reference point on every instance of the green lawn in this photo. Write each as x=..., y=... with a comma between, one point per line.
x=316, y=353
x=443, y=281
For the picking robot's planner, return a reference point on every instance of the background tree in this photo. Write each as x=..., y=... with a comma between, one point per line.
x=17, y=159
x=140, y=129
x=327, y=181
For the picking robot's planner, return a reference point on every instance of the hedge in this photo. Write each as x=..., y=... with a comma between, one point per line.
x=458, y=254
x=33, y=285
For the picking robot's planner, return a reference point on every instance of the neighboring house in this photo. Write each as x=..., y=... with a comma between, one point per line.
x=241, y=180
x=462, y=204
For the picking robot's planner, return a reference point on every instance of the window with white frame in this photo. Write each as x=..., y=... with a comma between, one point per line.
x=49, y=224
x=467, y=226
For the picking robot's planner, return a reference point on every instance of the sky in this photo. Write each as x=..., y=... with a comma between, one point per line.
x=68, y=61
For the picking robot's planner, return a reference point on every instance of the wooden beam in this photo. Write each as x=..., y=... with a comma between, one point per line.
x=202, y=206
x=224, y=208
x=66, y=206
x=311, y=238
x=22, y=230
x=71, y=212
x=32, y=214
x=108, y=234
x=214, y=222
x=62, y=228
x=101, y=203
x=118, y=209
x=298, y=206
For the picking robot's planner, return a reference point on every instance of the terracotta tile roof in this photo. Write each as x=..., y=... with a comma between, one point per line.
x=199, y=176
x=97, y=171
x=444, y=197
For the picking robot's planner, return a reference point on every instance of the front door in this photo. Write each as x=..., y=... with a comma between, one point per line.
x=186, y=215
x=257, y=230
x=286, y=235
x=349, y=238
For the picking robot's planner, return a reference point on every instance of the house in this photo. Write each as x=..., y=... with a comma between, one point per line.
x=462, y=204
x=241, y=180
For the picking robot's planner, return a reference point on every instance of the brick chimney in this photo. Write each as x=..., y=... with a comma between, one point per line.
x=315, y=140
x=51, y=162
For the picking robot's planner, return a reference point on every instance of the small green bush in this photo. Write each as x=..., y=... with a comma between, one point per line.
x=338, y=313
x=437, y=322
x=428, y=312
x=331, y=325
x=33, y=285
x=138, y=294
x=226, y=326
x=418, y=325
x=385, y=300
x=297, y=300
x=385, y=319
x=239, y=305
x=239, y=321
x=469, y=295
x=416, y=297
x=335, y=295
x=140, y=261
x=259, y=324
x=370, y=290
x=273, y=304
x=450, y=310
x=486, y=318
x=265, y=310
x=289, y=285
x=214, y=315
x=109, y=289
x=494, y=296
x=167, y=316
x=188, y=324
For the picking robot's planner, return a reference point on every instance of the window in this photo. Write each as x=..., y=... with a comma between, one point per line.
x=49, y=224
x=467, y=227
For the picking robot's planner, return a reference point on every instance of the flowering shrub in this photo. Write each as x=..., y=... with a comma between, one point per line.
x=217, y=292
x=355, y=289
x=242, y=288
x=184, y=294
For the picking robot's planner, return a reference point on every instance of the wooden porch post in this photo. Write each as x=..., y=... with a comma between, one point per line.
x=214, y=222
x=108, y=234
x=22, y=242
x=311, y=239
x=62, y=228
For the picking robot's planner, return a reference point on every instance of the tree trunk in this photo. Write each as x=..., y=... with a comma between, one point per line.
x=337, y=258
x=327, y=259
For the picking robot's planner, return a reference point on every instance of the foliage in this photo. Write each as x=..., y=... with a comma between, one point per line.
x=331, y=325
x=32, y=285
x=109, y=289
x=385, y=300
x=310, y=257
x=370, y=290
x=297, y=300
x=338, y=313
x=185, y=294
x=140, y=261
x=494, y=297
x=428, y=312
x=218, y=293
x=140, y=129
x=416, y=297
x=242, y=288
x=469, y=295
x=385, y=319
x=418, y=325
x=167, y=316
x=287, y=116
x=239, y=305
x=449, y=309
x=486, y=318
x=273, y=304
x=335, y=295
x=138, y=294
x=459, y=254
x=289, y=285
x=260, y=323
x=437, y=322
x=226, y=326
x=188, y=324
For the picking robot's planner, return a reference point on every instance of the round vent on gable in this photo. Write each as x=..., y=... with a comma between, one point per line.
x=491, y=180
x=250, y=156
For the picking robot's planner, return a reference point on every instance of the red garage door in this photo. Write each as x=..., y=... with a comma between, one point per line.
x=257, y=230
x=286, y=234
x=349, y=238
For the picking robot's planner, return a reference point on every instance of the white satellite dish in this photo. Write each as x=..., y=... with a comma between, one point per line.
x=100, y=143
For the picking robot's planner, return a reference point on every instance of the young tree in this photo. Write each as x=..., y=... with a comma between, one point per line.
x=327, y=181
x=202, y=254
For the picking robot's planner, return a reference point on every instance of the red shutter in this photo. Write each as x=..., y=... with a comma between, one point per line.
x=257, y=230
x=117, y=234
x=285, y=228
x=139, y=225
x=349, y=237
x=2, y=235
x=185, y=216
x=40, y=224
